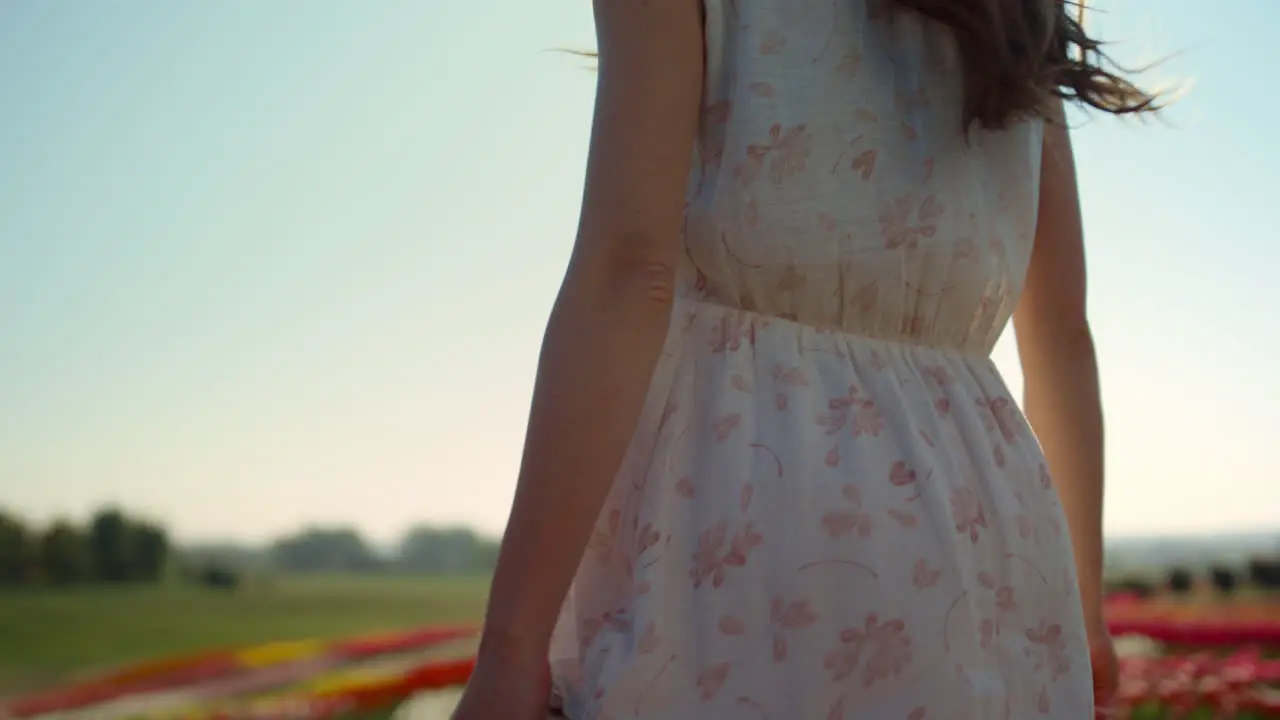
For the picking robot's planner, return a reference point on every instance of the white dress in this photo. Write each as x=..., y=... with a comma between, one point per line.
x=833, y=507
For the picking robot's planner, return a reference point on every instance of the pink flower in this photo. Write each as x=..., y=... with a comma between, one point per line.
x=887, y=644
x=867, y=420
x=966, y=511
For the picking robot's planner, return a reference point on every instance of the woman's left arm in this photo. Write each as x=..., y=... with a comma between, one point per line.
x=1059, y=363
x=610, y=319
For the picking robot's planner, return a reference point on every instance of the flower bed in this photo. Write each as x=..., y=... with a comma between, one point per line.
x=340, y=697
x=224, y=666
x=354, y=678
x=1186, y=659
x=1192, y=624
x=1243, y=684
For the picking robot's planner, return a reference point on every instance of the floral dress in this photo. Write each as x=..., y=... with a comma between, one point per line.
x=832, y=507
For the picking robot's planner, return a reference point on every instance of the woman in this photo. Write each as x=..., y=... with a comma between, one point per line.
x=771, y=470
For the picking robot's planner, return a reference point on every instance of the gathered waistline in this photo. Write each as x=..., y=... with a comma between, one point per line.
x=901, y=345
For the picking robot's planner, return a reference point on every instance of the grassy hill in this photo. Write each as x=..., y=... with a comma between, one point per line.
x=50, y=636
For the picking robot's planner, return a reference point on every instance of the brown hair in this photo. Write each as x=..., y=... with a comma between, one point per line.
x=1017, y=55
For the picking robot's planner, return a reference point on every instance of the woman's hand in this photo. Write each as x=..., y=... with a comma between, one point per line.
x=506, y=689
x=1102, y=656
x=1106, y=672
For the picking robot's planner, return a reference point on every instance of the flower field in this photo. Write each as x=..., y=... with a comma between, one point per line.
x=1179, y=660
x=281, y=680
x=1238, y=685
x=1197, y=660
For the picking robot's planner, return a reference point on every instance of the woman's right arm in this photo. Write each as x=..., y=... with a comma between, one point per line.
x=603, y=340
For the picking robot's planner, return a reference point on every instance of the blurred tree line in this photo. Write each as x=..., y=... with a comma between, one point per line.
x=112, y=547
x=116, y=547
x=424, y=549
x=1259, y=573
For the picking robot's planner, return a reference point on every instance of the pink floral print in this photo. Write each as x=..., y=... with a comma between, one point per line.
x=718, y=552
x=785, y=152
x=903, y=223
x=832, y=508
x=886, y=645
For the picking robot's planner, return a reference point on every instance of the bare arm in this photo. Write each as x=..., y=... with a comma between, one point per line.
x=1056, y=347
x=610, y=319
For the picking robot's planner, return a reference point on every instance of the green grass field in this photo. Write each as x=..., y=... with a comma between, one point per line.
x=52, y=636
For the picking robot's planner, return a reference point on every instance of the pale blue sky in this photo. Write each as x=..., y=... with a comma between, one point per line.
x=268, y=263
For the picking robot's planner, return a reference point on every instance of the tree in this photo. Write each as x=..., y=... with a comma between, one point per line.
x=1180, y=581
x=1265, y=573
x=240, y=558
x=64, y=556
x=219, y=578
x=1223, y=579
x=452, y=551
x=111, y=546
x=325, y=550
x=151, y=552
x=16, y=550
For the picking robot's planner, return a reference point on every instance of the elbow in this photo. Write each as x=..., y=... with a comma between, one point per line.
x=1073, y=342
x=1076, y=338
x=1053, y=326
x=1073, y=338
x=1057, y=338
x=654, y=282
x=635, y=277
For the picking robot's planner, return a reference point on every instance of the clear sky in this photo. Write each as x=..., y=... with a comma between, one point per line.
x=270, y=263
